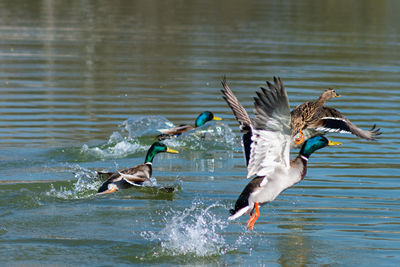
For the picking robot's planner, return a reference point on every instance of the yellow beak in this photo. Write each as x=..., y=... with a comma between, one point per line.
x=331, y=143
x=337, y=95
x=217, y=118
x=169, y=150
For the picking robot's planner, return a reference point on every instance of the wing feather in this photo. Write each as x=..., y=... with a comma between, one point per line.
x=334, y=121
x=238, y=110
x=241, y=116
x=271, y=130
x=137, y=174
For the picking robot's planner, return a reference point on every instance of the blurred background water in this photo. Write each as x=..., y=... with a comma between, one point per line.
x=85, y=84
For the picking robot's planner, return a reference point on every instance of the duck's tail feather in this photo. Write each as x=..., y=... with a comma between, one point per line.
x=237, y=213
x=103, y=187
x=242, y=204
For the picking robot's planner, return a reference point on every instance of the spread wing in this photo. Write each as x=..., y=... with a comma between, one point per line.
x=271, y=130
x=238, y=110
x=241, y=116
x=333, y=121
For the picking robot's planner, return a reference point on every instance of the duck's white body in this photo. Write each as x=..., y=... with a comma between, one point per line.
x=266, y=189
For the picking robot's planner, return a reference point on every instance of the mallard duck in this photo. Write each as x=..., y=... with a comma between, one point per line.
x=200, y=120
x=307, y=120
x=314, y=117
x=136, y=175
x=269, y=150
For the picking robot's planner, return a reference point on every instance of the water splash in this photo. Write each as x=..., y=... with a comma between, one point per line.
x=213, y=135
x=193, y=231
x=114, y=150
x=152, y=182
x=145, y=126
x=138, y=133
x=85, y=186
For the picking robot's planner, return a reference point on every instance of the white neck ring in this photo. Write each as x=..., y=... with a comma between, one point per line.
x=303, y=157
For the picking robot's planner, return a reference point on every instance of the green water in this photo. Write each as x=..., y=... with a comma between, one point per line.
x=84, y=85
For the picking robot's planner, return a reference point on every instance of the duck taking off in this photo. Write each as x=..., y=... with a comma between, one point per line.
x=200, y=120
x=269, y=150
x=136, y=175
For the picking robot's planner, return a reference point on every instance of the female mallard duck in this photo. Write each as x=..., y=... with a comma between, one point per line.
x=269, y=151
x=200, y=120
x=314, y=117
x=311, y=117
x=136, y=175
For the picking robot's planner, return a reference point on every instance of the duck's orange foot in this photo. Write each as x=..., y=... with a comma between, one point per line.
x=254, y=217
x=300, y=140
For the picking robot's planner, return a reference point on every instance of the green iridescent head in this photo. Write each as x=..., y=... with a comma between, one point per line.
x=315, y=143
x=155, y=148
x=205, y=117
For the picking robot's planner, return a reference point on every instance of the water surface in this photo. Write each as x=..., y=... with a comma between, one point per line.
x=84, y=86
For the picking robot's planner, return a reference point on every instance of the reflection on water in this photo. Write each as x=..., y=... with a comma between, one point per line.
x=85, y=85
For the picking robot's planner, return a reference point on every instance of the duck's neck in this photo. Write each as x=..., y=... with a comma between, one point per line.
x=298, y=169
x=322, y=99
x=304, y=160
x=150, y=156
x=303, y=156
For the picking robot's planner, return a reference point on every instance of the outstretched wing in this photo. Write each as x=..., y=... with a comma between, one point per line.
x=271, y=130
x=238, y=110
x=333, y=121
x=241, y=116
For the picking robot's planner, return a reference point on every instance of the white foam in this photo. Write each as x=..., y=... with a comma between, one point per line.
x=138, y=126
x=126, y=141
x=85, y=186
x=194, y=230
x=209, y=136
x=120, y=149
x=137, y=132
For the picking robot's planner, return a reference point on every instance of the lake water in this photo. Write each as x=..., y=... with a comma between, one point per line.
x=84, y=86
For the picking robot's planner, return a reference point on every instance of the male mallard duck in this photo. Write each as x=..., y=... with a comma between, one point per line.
x=134, y=176
x=200, y=120
x=269, y=150
x=311, y=117
x=314, y=117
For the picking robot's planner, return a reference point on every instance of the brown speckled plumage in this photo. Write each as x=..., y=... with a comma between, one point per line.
x=314, y=116
x=135, y=175
x=304, y=115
